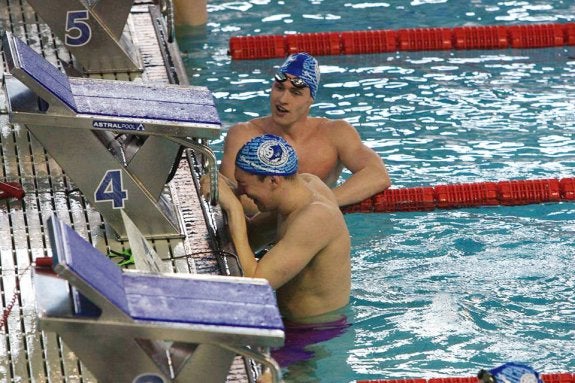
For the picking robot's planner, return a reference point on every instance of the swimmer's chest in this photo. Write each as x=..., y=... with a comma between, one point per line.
x=320, y=159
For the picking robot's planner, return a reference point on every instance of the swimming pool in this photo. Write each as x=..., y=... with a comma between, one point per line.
x=447, y=292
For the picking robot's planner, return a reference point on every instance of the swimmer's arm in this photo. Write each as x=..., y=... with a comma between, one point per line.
x=261, y=226
x=238, y=228
x=369, y=174
x=303, y=239
x=206, y=185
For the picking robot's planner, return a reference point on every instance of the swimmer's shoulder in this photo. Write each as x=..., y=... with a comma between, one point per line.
x=312, y=180
x=337, y=131
x=318, y=186
x=330, y=123
x=244, y=131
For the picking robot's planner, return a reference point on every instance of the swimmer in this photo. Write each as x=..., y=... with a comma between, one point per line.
x=309, y=265
x=324, y=146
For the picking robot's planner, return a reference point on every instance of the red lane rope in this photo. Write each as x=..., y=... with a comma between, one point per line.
x=517, y=192
x=10, y=306
x=41, y=264
x=415, y=39
x=560, y=377
x=11, y=190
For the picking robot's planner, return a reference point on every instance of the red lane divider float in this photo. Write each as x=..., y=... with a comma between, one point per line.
x=416, y=39
x=517, y=192
x=561, y=377
x=11, y=190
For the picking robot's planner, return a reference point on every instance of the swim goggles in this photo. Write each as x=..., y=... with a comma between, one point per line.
x=295, y=81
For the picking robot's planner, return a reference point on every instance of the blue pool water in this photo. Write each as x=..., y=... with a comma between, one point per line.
x=447, y=292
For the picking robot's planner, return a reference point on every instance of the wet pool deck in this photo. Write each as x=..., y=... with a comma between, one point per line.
x=26, y=353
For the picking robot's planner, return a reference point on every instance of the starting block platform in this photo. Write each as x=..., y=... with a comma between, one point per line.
x=99, y=309
x=50, y=97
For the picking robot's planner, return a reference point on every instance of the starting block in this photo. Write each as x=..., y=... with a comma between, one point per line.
x=128, y=326
x=117, y=140
x=95, y=31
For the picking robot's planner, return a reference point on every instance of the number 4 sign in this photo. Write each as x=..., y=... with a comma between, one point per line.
x=111, y=188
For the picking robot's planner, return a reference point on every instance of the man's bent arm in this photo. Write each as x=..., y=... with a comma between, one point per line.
x=369, y=174
x=238, y=229
x=363, y=184
x=302, y=241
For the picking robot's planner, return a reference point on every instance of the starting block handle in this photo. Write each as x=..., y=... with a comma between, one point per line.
x=212, y=166
x=167, y=9
x=258, y=357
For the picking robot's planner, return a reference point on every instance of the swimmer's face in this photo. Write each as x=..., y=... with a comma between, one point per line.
x=257, y=188
x=289, y=103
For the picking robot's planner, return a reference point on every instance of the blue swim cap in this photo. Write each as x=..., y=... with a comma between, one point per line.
x=510, y=372
x=267, y=155
x=304, y=66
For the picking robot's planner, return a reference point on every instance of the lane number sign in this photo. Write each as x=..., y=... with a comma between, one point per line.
x=111, y=188
x=78, y=31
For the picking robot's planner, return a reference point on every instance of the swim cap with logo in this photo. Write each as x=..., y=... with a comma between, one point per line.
x=304, y=66
x=267, y=155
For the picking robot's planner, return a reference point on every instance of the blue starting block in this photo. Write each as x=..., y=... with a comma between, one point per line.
x=117, y=140
x=121, y=106
x=126, y=325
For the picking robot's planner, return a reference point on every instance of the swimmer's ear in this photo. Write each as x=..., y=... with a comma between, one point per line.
x=275, y=180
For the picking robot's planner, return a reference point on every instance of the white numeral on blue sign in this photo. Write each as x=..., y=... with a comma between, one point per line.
x=78, y=32
x=111, y=189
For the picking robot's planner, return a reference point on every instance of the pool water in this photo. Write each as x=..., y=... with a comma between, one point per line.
x=446, y=292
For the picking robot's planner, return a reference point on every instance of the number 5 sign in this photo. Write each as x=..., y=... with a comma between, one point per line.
x=94, y=31
x=78, y=31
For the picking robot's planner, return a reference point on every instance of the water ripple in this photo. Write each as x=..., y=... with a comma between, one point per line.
x=446, y=292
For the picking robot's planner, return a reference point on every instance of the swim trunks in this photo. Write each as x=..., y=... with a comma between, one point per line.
x=299, y=336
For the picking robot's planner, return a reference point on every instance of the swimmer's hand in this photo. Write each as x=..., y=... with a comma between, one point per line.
x=205, y=186
x=227, y=197
x=266, y=377
x=250, y=208
x=226, y=189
